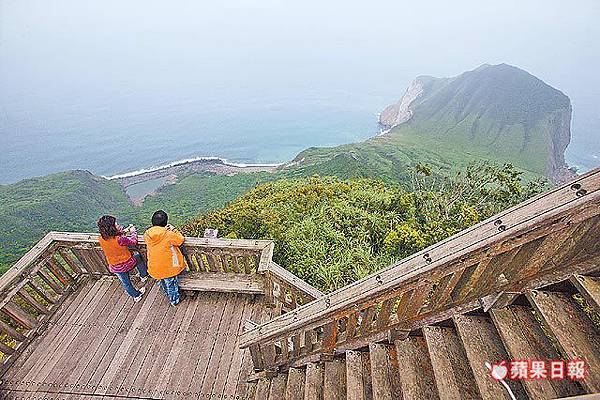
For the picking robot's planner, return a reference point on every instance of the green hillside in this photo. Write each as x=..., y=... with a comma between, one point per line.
x=64, y=201
x=495, y=112
x=331, y=232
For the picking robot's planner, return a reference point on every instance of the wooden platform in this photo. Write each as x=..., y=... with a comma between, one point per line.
x=101, y=344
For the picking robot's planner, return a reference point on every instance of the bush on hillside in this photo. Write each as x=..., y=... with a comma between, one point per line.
x=331, y=232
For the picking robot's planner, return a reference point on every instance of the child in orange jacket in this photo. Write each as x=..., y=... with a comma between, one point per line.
x=165, y=260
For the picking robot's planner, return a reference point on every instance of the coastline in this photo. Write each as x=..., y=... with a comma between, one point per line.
x=189, y=162
x=143, y=182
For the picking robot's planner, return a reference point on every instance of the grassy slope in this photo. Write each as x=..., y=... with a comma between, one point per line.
x=66, y=201
x=73, y=201
x=496, y=111
x=195, y=194
x=331, y=232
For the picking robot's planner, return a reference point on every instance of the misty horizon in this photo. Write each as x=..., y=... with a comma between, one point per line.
x=227, y=80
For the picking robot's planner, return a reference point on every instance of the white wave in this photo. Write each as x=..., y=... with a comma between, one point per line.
x=186, y=161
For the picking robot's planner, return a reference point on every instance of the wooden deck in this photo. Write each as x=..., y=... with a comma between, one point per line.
x=101, y=344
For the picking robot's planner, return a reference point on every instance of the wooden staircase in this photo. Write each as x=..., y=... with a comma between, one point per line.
x=448, y=360
x=523, y=285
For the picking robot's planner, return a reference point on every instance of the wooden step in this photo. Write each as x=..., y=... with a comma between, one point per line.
x=334, y=386
x=483, y=345
x=589, y=287
x=262, y=389
x=383, y=385
x=358, y=376
x=524, y=339
x=573, y=330
x=277, y=390
x=294, y=389
x=367, y=379
x=453, y=375
x=416, y=377
x=313, y=389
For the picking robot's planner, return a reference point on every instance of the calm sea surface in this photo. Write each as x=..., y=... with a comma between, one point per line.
x=126, y=132
x=113, y=86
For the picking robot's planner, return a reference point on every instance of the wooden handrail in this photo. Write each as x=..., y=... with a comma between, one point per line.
x=44, y=277
x=293, y=280
x=445, y=278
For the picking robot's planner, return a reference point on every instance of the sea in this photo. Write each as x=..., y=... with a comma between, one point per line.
x=114, y=87
x=125, y=133
x=112, y=137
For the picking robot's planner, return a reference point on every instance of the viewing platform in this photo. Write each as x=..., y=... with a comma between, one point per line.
x=71, y=331
x=522, y=285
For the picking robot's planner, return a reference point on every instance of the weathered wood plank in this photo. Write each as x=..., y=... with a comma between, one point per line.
x=589, y=288
x=70, y=260
x=417, y=377
x=85, y=349
x=524, y=340
x=262, y=389
x=12, y=332
x=74, y=353
x=483, y=345
x=355, y=386
x=380, y=372
x=222, y=282
x=230, y=333
x=31, y=354
x=112, y=342
x=150, y=387
x=297, y=283
x=50, y=342
x=50, y=299
x=67, y=337
x=575, y=333
x=294, y=389
x=334, y=386
x=83, y=377
x=277, y=389
x=19, y=315
x=237, y=368
x=32, y=302
x=201, y=381
x=169, y=366
x=453, y=376
x=313, y=389
x=207, y=321
x=50, y=282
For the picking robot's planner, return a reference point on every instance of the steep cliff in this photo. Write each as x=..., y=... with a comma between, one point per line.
x=496, y=110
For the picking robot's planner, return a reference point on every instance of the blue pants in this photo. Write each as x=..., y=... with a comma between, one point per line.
x=126, y=281
x=171, y=288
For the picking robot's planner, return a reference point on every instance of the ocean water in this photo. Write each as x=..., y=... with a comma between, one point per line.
x=115, y=86
x=108, y=136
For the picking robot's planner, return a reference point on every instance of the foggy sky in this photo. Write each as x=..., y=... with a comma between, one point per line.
x=107, y=50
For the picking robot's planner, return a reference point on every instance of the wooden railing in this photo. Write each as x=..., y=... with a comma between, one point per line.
x=39, y=282
x=537, y=243
x=285, y=290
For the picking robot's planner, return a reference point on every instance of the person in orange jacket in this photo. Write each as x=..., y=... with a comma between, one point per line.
x=165, y=260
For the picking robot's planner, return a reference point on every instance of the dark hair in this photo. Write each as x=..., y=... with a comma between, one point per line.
x=107, y=226
x=160, y=218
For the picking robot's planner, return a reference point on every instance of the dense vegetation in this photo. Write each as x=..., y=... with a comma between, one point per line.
x=73, y=201
x=331, y=231
x=195, y=194
x=334, y=230
x=498, y=112
x=65, y=201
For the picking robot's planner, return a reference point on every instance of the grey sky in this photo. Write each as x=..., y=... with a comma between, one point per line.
x=90, y=48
